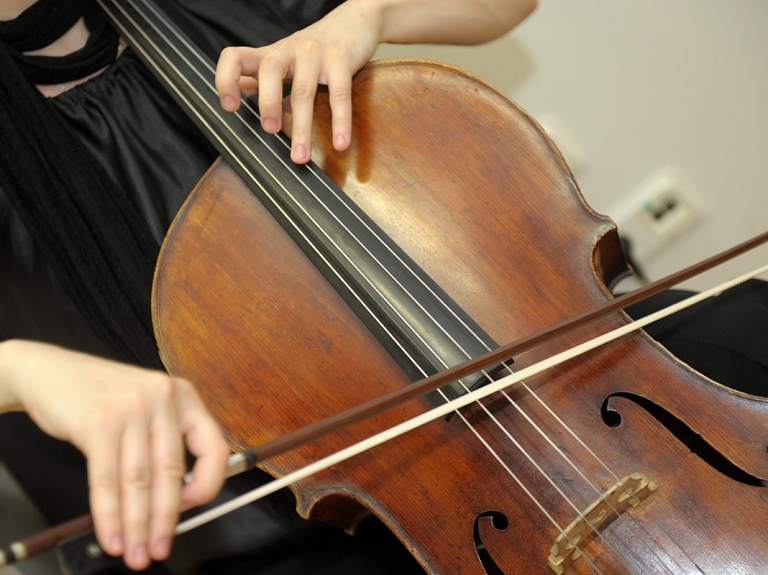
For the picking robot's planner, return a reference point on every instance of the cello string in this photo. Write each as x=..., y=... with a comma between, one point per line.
x=532, y=496
x=455, y=404
x=599, y=534
x=552, y=444
x=254, y=113
x=615, y=512
x=424, y=374
x=565, y=426
x=468, y=357
x=500, y=460
x=203, y=61
x=518, y=407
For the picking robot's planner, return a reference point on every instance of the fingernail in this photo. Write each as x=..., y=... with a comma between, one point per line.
x=161, y=548
x=115, y=545
x=140, y=556
x=339, y=141
x=270, y=125
x=229, y=103
x=300, y=153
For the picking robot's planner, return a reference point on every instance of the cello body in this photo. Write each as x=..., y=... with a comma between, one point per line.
x=469, y=186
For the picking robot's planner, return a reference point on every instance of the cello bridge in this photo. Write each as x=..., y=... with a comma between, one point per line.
x=629, y=491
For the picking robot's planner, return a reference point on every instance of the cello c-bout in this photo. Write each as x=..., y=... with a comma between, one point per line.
x=475, y=193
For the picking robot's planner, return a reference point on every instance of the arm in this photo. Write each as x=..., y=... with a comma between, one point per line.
x=132, y=425
x=331, y=50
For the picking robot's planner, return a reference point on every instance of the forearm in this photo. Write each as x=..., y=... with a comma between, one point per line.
x=131, y=424
x=9, y=400
x=443, y=21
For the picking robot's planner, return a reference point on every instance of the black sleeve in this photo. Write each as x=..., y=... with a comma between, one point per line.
x=724, y=337
x=214, y=25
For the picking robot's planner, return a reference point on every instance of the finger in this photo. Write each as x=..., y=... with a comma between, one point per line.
x=234, y=63
x=249, y=86
x=303, y=91
x=272, y=72
x=340, y=99
x=102, y=451
x=135, y=481
x=204, y=441
x=167, y=471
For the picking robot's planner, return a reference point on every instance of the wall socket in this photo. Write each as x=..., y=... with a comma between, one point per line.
x=658, y=211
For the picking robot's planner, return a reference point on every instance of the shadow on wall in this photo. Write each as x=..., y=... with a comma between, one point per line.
x=506, y=53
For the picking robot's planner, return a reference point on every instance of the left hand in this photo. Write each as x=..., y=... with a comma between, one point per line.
x=333, y=49
x=328, y=52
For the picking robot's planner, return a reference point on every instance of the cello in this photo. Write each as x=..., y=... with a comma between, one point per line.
x=459, y=226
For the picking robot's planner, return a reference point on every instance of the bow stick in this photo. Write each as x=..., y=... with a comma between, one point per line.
x=249, y=458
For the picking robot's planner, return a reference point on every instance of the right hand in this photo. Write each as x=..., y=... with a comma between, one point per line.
x=132, y=425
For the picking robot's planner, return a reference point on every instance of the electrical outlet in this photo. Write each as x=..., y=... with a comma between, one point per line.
x=660, y=210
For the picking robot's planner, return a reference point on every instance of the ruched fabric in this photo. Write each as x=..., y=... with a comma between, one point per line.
x=145, y=142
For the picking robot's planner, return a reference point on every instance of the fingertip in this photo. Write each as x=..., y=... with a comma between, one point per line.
x=161, y=549
x=113, y=545
x=300, y=154
x=270, y=125
x=138, y=559
x=230, y=104
x=340, y=142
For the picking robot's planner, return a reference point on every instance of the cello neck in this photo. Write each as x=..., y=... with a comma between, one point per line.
x=415, y=320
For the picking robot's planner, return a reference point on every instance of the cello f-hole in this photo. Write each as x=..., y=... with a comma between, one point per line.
x=684, y=433
x=497, y=521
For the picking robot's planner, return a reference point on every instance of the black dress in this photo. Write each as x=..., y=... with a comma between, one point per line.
x=137, y=132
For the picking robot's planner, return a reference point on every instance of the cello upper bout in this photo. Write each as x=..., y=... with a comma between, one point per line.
x=468, y=185
x=431, y=140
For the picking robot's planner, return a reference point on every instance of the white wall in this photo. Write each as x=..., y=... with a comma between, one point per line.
x=643, y=84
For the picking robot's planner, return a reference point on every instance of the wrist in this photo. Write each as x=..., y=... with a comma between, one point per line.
x=400, y=21
x=462, y=22
x=10, y=352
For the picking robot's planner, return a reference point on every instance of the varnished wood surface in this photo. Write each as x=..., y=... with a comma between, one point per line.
x=468, y=185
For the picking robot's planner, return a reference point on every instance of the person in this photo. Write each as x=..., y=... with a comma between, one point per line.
x=97, y=160
x=722, y=339
x=128, y=422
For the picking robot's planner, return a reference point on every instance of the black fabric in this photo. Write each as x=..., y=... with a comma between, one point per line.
x=724, y=338
x=89, y=229
x=47, y=20
x=44, y=457
x=145, y=144
x=137, y=134
x=161, y=170
x=41, y=24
